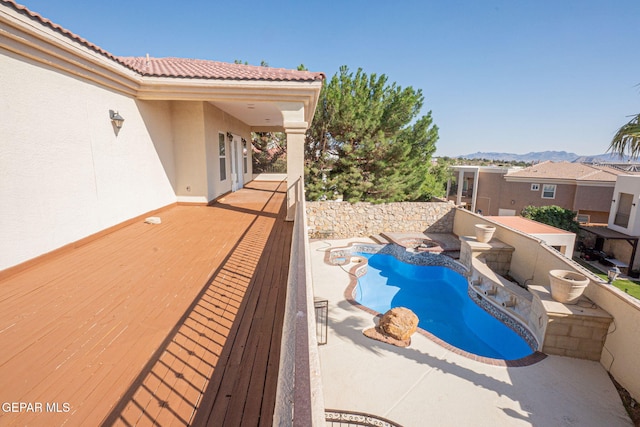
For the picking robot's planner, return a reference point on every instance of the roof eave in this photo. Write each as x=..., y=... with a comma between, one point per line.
x=28, y=35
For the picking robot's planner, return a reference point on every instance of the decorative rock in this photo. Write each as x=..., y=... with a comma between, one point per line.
x=399, y=323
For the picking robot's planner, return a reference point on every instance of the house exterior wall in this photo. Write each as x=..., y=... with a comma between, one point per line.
x=594, y=201
x=217, y=121
x=64, y=171
x=629, y=184
x=489, y=190
x=196, y=150
x=518, y=195
x=189, y=151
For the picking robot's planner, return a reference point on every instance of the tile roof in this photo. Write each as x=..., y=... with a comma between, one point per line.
x=44, y=21
x=206, y=69
x=567, y=170
x=527, y=225
x=178, y=67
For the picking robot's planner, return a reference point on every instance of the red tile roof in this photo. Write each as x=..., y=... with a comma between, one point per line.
x=44, y=21
x=567, y=170
x=179, y=67
x=205, y=69
x=526, y=225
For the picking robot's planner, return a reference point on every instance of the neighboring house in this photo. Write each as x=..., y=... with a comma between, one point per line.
x=477, y=187
x=68, y=171
x=619, y=238
x=585, y=189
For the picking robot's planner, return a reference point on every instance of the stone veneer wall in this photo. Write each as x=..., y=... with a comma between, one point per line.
x=496, y=254
x=343, y=219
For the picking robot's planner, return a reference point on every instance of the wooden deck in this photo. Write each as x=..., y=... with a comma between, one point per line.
x=177, y=323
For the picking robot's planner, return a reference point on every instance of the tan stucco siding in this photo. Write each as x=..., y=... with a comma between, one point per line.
x=595, y=201
x=189, y=151
x=518, y=195
x=489, y=190
x=64, y=172
x=216, y=122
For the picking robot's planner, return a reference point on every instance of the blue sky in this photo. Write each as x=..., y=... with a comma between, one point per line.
x=498, y=75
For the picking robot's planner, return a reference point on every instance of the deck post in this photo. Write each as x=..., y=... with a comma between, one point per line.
x=295, y=164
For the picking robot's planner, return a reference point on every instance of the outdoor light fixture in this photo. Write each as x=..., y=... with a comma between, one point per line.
x=613, y=273
x=116, y=118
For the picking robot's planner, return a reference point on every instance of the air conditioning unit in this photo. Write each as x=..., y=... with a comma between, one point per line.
x=583, y=219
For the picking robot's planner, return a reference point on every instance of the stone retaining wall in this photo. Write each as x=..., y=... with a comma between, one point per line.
x=340, y=220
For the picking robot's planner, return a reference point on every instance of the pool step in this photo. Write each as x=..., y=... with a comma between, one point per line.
x=380, y=239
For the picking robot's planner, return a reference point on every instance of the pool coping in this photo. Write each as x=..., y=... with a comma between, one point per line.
x=529, y=360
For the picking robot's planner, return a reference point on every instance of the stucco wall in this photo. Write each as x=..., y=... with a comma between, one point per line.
x=521, y=195
x=489, y=190
x=344, y=220
x=629, y=184
x=594, y=201
x=64, y=172
x=216, y=122
x=189, y=151
x=530, y=264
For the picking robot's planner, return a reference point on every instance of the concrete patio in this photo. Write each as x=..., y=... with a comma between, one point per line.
x=426, y=384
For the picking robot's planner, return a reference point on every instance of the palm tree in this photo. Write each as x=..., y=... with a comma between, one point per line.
x=627, y=139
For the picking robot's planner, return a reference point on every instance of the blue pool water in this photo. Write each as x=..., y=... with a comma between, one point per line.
x=438, y=296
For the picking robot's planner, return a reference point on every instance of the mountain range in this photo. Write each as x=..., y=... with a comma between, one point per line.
x=541, y=156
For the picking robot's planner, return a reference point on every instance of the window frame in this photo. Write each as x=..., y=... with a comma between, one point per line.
x=544, y=191
x=535, y=187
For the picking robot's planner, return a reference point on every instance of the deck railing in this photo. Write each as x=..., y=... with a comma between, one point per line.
x=299, y=400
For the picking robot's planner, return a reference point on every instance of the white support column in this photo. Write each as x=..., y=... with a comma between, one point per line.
x=476, y=178
x=295, y=127
x=295, y=164
x=460, y=185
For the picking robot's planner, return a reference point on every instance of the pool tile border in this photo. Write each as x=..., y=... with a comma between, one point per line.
x=357, y=271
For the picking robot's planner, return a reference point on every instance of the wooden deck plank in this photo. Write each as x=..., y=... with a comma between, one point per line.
x=131, y=327
x=228, y=392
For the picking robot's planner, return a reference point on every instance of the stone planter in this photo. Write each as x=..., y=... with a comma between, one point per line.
x=484, y=233
x=567, y=286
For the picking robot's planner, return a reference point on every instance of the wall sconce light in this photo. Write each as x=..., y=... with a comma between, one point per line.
x=116, y=118
x=229, y=136
x=612, y=274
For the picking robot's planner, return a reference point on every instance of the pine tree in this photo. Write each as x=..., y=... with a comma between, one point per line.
x=362, y=146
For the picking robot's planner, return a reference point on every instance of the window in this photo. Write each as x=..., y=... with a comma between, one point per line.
x=535, y=187
x=624, y=209
x=549, y=191
x=223, y=157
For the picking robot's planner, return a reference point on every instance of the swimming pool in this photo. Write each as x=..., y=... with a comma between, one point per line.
x=439, y=297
